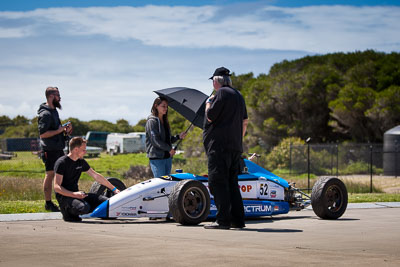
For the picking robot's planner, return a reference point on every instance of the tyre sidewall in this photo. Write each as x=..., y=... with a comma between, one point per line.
x=319, y=201
x=176, y=202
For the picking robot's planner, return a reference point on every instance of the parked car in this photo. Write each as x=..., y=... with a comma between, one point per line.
x=97, y=139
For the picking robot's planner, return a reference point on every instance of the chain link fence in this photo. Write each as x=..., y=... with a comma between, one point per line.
x=336, y=159
x=343, y=159
x=19, y=144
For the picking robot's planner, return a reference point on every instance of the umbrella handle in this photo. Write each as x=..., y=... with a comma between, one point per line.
x=180, y=140
x=176, y=146
x=191, y=124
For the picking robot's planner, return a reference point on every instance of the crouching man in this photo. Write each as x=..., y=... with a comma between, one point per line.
x=68, y=170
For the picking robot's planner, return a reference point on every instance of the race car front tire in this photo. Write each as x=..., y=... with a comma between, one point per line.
x=189, y=202
x=329, y=198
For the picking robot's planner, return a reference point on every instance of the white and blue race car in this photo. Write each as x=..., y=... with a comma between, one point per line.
x=185, y=197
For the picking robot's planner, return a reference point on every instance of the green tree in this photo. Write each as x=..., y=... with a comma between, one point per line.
x=140, y=126
x=20, y=120
x=102, y=126
x=5, y=122
x=327, y=97
x=385, y=112
x=80, y=128
x=177, y=122
x=348, y=113
x=123, y=126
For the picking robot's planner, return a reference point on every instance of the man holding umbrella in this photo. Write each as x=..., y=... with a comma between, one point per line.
x=224, y=128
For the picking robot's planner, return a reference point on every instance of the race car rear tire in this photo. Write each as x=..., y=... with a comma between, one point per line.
x=189, y=202
x=100, y=189
x=329, y=198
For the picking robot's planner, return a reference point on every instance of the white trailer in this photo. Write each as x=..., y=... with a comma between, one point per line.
x=142, y=136
x=123, y=143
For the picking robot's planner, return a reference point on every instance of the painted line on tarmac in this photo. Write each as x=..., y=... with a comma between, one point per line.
x=57, y=215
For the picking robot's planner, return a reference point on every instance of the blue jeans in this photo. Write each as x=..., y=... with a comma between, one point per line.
x=161, y=167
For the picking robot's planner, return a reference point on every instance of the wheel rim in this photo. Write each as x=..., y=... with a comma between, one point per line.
x=334, y=197
x=194, y=203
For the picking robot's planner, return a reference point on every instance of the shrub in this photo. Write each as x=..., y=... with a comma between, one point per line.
x=195, y=165
x=359, y=167
x=279, y=158
x=138, y=172
x=360, y=187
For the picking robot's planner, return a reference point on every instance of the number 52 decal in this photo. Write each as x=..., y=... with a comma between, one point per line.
x=264, y=189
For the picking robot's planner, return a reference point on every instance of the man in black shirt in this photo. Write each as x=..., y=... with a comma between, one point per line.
x=68, y=170
x=52, y=139
x=225, y=125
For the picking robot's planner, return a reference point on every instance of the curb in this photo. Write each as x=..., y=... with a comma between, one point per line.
x=57, y=215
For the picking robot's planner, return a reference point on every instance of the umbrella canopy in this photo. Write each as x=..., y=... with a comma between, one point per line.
x=188, y=102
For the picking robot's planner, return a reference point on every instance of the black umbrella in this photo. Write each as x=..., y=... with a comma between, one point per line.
x=190, y=103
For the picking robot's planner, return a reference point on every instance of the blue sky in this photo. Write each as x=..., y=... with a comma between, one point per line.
x=107, y=57
x=24, y=5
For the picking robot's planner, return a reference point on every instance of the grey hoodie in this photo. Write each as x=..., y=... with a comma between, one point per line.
x=49, y=121
x=156, y=143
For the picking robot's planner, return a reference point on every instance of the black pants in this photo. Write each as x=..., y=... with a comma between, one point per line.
x=223, y=171
x=72, y=207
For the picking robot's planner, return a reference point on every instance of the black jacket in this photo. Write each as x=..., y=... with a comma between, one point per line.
x=49, y=121
x=225, y=131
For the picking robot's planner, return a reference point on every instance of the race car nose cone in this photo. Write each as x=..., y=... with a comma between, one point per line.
x=101, y=211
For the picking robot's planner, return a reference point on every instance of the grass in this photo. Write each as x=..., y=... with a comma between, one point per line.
x=21, y=180
x=22, y=206
x=28, y=165
x=25, y=164
x=374, y=197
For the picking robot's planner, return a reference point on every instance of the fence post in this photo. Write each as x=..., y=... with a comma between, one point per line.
x=290, y=159
x=370, y=184
x=337, y=160
x=331, y=152
x=308, y=163
x=395, y=158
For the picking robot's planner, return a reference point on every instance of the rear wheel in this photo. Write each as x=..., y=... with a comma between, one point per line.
x=329, y=198
x=100, y=189
x=189, y=202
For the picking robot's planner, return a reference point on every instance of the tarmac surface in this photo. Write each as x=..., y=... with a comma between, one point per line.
x=367, y=234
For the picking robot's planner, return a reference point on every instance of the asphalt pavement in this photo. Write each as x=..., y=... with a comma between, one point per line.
x=58, y=216
x=367, y=234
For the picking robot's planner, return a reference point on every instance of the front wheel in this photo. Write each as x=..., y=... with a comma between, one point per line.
x=189, y=202
x=100, y=189
x=329, y=198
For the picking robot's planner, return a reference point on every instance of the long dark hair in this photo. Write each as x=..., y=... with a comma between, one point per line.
x=154, y=110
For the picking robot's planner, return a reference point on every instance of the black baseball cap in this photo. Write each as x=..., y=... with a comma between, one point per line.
x=222, y=71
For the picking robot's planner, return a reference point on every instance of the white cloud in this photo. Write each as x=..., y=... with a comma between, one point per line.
x=14, y=33
x=108, y=61
x=18, y=108
x=318, y=29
